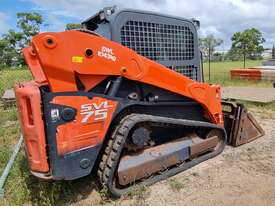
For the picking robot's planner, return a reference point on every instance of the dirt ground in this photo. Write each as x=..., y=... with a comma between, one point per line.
x=239, y=176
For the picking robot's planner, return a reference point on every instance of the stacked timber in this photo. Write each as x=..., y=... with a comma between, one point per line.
x=255, y=73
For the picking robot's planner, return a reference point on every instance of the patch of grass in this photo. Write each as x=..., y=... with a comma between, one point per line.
x=10, y=76
x=9, y=128
x=266, y=106
x=49, y=192
x=265, y=111
x=21, y=186
x=220, y=74
x=104, y=194
x=139, y=194
x=9, y=114
x=137, y=191
x=175, y=185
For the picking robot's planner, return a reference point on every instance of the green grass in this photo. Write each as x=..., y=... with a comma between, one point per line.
x=9, y=133
x=8, y=77
x=21, y=187
x=220, y=74
x=139, y=194
x=175, y=185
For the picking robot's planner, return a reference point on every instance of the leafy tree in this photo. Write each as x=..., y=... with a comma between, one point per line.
x=218, y=56
x=10, y=48
x=4, y=59
x=29, y=25
x=233, y=55
x=72, y=26
x=207, y=46
x=13, y=42
x=248, y=43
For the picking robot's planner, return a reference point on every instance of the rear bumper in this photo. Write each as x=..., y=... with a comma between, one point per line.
x=29, y=104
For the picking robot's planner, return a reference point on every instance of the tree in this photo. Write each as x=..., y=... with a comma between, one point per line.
x=218, y=56
x=248, y=43
x=10, y=48
x=13, y=42
x=4, y=58
x=233, y=55
x=71, y=26
x=29, y=24
x=207, y=46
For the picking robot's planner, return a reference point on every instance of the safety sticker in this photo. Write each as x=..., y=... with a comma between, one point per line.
x=77, y=59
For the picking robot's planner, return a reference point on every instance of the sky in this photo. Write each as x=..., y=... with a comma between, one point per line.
x=218, y=17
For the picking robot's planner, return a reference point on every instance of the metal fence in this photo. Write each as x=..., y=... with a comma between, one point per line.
x=9, y=129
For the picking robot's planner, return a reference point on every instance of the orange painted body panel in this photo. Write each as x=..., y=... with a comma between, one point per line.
x=62, y=55
x=90, y=125
x=29, y=106
x=34, y=65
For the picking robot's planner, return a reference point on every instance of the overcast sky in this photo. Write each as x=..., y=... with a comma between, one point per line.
x=218, y=17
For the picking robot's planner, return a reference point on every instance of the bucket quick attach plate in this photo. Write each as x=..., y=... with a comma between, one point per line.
x=240, y=125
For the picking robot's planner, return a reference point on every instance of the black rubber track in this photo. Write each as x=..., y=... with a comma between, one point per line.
x=111, y=156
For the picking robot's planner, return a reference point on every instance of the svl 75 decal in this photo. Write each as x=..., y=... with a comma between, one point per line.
x=94, y=111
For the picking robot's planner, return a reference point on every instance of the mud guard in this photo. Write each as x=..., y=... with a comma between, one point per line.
x=240, y=125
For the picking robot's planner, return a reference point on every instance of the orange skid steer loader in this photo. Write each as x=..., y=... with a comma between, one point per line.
x=98, y=104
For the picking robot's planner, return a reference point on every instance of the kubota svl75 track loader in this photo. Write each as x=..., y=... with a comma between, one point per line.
x=95, y=104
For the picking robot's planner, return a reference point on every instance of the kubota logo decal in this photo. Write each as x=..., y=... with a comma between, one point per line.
x=106, y=53
x=94, y=111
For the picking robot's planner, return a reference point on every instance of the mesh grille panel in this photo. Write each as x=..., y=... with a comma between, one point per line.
x=190, y=71
x=159, y=42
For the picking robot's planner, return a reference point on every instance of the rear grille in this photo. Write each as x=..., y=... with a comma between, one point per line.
x=158, y=42
x=190, y=70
